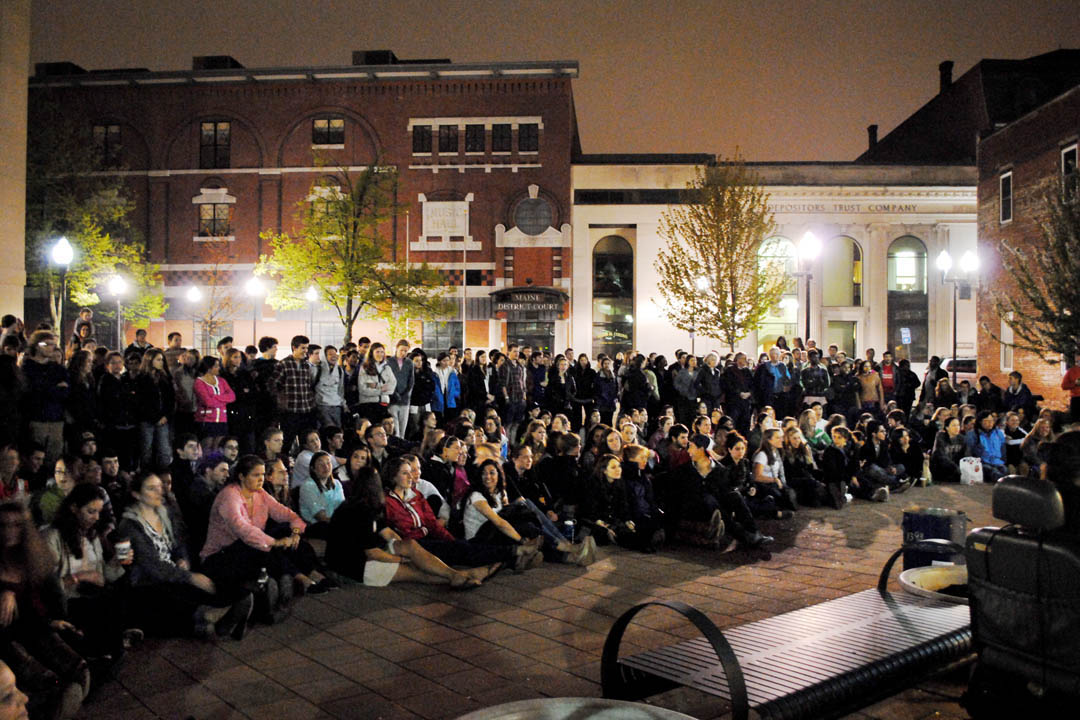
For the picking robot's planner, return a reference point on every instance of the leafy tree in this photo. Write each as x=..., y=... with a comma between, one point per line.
x=1042, y=302
x=69, y=195
x=342, y=249
x=712, y=279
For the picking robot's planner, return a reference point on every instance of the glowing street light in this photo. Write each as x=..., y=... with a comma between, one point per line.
x=254, y=287
x=969, y=265
x=809, y=249
x=117, y=288
x=62, y=254
x=702, y=283
x=193, y=294
x=312, y=296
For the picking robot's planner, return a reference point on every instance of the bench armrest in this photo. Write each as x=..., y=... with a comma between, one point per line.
x=614, y=685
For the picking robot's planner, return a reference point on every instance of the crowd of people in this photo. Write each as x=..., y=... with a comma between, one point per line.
x=157, y=490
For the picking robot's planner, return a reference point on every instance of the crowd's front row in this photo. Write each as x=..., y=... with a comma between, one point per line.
x=210, y=543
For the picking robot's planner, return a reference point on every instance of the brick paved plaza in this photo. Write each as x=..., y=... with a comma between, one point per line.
x=414, y=651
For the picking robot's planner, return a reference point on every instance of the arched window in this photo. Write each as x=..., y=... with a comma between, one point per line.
x=908, y=308
x=841, y=271
x=613, y=296
x=782, y=319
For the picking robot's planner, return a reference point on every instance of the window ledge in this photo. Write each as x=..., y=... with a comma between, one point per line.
x=213, y=238
x=528, y=152
x=421, y=154
x=475, y=152
x=502, y=152
x=332, y=146
x=1005, y=222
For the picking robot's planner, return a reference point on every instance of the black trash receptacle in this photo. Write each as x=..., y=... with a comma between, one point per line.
x=920, y=523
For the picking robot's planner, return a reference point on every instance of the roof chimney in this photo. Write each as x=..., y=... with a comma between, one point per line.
x=871, y=132
x=945, y=72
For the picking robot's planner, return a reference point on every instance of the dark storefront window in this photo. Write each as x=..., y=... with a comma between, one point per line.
x=613, y=296
x=908, y=303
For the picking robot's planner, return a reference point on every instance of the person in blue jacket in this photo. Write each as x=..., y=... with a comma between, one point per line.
x=447, y=388
x=988, y=444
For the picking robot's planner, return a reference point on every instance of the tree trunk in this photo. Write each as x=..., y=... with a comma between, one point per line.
x=347, y=321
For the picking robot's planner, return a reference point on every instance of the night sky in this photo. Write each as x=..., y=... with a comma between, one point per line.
x=777, y=80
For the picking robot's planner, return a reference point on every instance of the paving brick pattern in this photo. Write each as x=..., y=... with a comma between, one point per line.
x=418, y=651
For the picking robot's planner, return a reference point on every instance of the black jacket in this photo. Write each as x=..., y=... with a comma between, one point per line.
x=155, y=397
x=117, y=401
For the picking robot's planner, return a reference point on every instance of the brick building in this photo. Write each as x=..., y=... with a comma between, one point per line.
x=1018, y=163
x=215, y=155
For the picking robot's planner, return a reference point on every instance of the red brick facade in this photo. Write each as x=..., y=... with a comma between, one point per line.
x=1031, y=148
x=271, y=160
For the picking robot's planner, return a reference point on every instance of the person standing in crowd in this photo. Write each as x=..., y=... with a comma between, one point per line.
x=561, y=391
x=423, y=392
x=47, y=388
x=478, y=383
x=512, y=384
x=1017, y=397
x=329, y=386
x=291, y=384
x=174, y=350
x=447, y=390
x=184, y=382
x=117, y=401
x=243, y=410
x=708, y=385
x=404, y=377
x=815, y=380
x=871, y=396
x=934, y=373
x=585, y=391
x=212, y=398
x=907, y=383
x=375, y=384
x=155, y=405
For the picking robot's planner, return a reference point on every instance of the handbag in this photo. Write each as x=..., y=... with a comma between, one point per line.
x=971, y=471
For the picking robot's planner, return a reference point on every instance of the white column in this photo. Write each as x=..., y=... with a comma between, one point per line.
x=14, y=73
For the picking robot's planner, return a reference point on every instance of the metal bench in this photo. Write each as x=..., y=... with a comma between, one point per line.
x=817, y=662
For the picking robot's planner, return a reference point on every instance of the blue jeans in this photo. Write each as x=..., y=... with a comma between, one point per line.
x=154, y=444
x=552, y=536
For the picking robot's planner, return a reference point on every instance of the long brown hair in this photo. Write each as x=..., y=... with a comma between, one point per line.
x=369, y=361
x=31, y=557
x=146, y=366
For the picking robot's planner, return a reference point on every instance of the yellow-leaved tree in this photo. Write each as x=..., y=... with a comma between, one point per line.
x=712, y=279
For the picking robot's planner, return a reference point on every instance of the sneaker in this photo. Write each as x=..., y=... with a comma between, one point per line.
x=880, y=495
x=716, y=527
x=903, y=486
x=133, y=637
x=586, y=552
x=848, y=497
x=784, y=514
x=757, y=540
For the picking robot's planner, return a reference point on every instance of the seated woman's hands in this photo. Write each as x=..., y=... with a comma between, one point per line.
x=9, y=608
x=203, y=583
x=287, y=543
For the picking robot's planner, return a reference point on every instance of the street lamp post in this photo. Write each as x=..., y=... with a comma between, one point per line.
x=312, y=295
x=255, y=289
x=809, y=249
x=969, y=265
x=194, y=295
x=62, y=254
x=117, y=287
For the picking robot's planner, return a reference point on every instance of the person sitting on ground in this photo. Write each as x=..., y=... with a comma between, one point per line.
x=410, y=516
x=800, y=470
x=769, y=479
x=719, y=485
x=357, y=459
x=1041, y=432
x=320, y=495
x=362, y=545
x=988, y=444
x=310, y=443
x=31, y=612
x=482, y=515
x=86, y=574
x=166, y=596
x=644, y=512
x=196, y=501
x=879, y=469
x=238, y=546
x=66, y=471
x=840, y=467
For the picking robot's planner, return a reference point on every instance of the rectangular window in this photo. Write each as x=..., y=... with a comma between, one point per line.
x=214, y=141
x=1070, y=176
x=500, y=138
x=474, y=138
x=107, y=142
x=1006, y=336
x=440, y=336
x=1006, y=197
x=474, y=277
x=328, y=131
x=214, y=219
x=528, y=137
x=448, y=139
x=421, y=139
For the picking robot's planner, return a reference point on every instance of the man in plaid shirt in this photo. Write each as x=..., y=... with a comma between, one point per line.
x=512, y=380
x=296, y=398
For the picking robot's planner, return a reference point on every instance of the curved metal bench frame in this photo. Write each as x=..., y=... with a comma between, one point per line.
x=617, y=682
x=623, y=683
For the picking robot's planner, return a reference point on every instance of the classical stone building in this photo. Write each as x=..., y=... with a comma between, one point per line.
x=873, y=285
x=1019, y=164
x=14, y=61
x=219, y=153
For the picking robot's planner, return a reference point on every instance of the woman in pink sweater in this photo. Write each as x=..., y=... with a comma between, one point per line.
x=212, y=395
x=249, y=530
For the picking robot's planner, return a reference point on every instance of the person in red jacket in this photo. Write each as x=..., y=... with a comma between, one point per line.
x=1071, y=383
x=410, y=516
